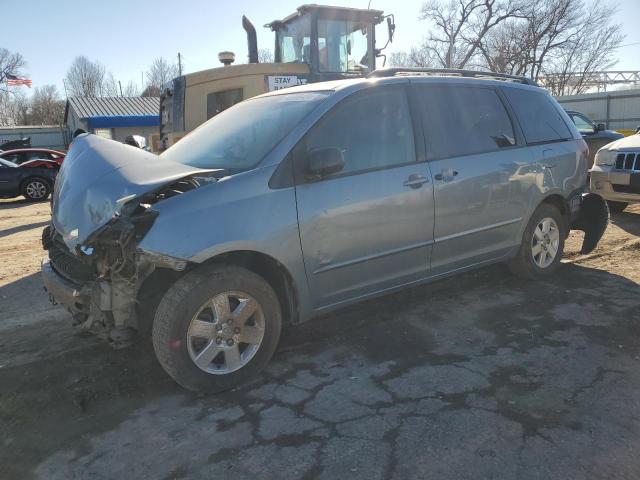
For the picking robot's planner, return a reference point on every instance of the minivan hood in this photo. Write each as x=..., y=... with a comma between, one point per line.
x=98, y=176
x=632, y=141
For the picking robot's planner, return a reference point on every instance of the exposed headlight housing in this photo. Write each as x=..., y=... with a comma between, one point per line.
x=606, y=157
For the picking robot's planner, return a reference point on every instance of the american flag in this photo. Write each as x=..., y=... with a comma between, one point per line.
x=13, y=81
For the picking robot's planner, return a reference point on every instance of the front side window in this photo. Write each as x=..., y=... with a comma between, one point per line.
x=342, y=46
x=539, y=118
x=582, y=124
x=239, y=138
x=294, y=40
x=462, y=120
x=372, y=129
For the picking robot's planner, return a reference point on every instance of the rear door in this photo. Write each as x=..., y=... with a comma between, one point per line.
x=482, y=178
x=368, y=227
x=552, y=143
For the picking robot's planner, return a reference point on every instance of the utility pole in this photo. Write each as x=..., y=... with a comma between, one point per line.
x=179, y=65
x=120, y=85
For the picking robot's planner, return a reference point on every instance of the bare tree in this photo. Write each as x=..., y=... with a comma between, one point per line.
x=10, y=64
x=14, y=108
x=590, y=46
x=559, y=43
x=109, y=86
x=131, y=90
x=46, y=106
x=461, y=26
x=85, y=78
x=160, y=73
x=415, y=57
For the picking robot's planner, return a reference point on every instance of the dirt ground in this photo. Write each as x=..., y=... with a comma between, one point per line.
x=479, y=376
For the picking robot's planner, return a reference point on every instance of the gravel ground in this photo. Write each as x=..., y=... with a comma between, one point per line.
x=479, y=376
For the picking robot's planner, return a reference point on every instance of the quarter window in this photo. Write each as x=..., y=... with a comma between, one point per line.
x=373, y=130
x=464, y=120
x=539, y=118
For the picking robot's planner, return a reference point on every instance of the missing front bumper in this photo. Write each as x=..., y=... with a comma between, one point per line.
x=64, y=292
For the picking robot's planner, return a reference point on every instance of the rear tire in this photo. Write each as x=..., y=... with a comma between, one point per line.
x=36, y=189
x=540, y=251
x=216, y=327
x=616, y=207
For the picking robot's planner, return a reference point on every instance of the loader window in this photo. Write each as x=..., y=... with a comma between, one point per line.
x=219, y=101
x=342, y=46
x=294, y=39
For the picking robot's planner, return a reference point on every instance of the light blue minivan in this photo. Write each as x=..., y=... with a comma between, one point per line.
x=303, y=200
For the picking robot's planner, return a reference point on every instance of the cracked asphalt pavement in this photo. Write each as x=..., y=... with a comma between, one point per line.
x=479, y=376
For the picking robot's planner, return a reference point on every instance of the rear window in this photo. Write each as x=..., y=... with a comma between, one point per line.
x=539, y=118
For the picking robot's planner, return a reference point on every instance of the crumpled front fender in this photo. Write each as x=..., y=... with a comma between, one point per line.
x=592, y=220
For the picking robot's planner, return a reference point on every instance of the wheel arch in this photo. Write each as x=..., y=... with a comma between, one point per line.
x=273, y=271
x=560, y=203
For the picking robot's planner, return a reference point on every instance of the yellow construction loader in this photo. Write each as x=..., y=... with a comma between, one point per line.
x=316, y=43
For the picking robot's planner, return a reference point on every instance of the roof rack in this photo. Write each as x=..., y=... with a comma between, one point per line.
x=449, y=72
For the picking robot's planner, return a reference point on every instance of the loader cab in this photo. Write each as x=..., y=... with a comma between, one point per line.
x=314, y=44
x=335, y=42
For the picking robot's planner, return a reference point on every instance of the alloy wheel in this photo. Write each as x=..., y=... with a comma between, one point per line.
x=545, y=242
x=36, y=190
x=225, y=333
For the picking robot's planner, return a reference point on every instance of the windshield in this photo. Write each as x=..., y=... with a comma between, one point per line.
x=240, y=137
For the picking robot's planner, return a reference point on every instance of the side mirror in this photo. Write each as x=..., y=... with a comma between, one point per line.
x=391, y=27
x=324, y=161
x=600, y=127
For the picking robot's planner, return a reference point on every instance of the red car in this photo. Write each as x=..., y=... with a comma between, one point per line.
x=22, y=155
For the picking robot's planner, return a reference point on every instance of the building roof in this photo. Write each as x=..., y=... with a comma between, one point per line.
x=88, y=107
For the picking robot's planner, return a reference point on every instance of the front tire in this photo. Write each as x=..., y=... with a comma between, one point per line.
x=542, y=244
x=36, y=189
x=616, y=207
x=216, y=327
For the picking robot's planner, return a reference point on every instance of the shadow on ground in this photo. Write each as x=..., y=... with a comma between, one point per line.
x=629, y=221
x=480, y=376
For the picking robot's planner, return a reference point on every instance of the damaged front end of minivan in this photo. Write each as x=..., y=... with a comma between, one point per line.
x=103, y=206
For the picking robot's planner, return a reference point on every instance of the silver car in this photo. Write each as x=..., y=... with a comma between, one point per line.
x=304, y=200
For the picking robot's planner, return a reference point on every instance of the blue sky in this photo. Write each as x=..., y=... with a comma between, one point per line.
x=126, y=35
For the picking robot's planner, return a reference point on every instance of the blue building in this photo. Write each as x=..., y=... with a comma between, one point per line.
x=115, y=117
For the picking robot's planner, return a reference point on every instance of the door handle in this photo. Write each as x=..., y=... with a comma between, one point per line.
x=447, y=175
x=415, y=181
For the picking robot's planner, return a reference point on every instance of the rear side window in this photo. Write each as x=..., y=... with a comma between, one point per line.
x=461, y=120
x=539, y=118
x=373, y=130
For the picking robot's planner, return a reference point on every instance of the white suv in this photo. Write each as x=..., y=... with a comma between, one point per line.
x=616, y=173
